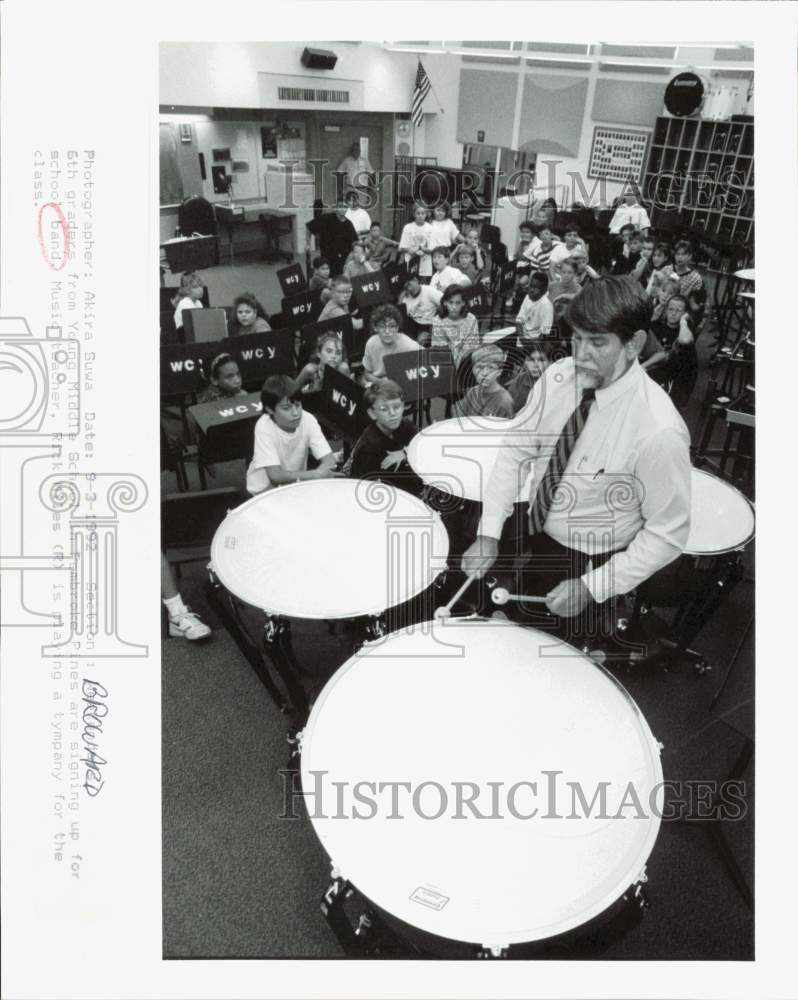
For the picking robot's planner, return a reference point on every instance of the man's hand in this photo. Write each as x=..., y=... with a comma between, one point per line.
x=568, y=598
x=480, y=556
x=393, y=459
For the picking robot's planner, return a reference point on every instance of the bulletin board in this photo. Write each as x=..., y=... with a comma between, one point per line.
x=618, y=154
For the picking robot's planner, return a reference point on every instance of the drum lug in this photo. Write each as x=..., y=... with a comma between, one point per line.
x=376, y=628
x=492, y=951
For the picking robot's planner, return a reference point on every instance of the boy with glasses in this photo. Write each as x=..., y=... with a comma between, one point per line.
x=380, y=452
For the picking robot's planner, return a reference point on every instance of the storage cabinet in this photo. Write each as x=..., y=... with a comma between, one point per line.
x=705, y=171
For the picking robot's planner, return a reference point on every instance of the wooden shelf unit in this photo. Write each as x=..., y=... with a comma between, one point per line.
x=705, y=171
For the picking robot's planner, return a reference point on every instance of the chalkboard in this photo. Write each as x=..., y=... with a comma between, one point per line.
x=171, y=181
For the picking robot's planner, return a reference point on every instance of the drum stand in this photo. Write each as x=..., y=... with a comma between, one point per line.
x=691, y=614
x=292, y=699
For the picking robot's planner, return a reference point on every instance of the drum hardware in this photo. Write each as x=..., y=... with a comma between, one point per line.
x=442, y=613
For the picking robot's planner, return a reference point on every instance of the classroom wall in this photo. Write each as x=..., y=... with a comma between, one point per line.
x=225, y=74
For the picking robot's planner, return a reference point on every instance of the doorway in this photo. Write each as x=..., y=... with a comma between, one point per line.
x=335, y=141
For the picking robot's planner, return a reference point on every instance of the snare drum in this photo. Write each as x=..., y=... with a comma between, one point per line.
x=445, y=880
x=326, y=550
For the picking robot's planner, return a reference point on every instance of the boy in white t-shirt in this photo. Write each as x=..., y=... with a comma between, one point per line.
x=443, y=274
x=536, y=315
x=415, y=241
x=284, y=436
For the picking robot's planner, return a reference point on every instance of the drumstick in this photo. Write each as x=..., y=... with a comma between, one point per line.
x=446, y=610
x=500, y=596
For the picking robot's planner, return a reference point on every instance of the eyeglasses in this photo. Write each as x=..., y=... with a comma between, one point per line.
x=390, y=409
x=387, y=327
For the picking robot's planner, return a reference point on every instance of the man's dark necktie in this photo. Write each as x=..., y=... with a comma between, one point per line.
x=541, y=502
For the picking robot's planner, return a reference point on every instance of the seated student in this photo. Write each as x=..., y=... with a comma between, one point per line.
x=454, y=327
x=443, y=274
x=627, y=252
x=444, y=232
x=568, y=284
x=225, y=380
x=338, y=305
x=526, y=234
x=421, y=302
x=645, y=265
x=584, y=272
x=536, y=315
x=564, y=250
x=662, y=267
x=320, y=280
x=249, y=316
x=463, y=260
x=329, y=351
x=487, y=398
x=535, y=362
x=669, y=354
x=358, y=262
x=691, y=284
x=379, y=247
x=386, y=338
x=359, y=217
x=189, y=296
x=667, y=289
x=541, y=249
x=415, y=241
x=513, y=301
x=629, y=212
x=380, y=451
x=284, y=436
x=472, y=240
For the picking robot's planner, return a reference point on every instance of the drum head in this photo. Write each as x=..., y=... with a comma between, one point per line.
x=457, y=456
x=336, y=548
x=470, y=703
x=721, y=518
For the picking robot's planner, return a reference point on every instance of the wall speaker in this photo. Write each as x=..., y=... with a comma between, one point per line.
x=319, y=59
x=684, y=94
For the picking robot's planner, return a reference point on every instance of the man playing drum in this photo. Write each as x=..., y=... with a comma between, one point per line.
x=609, y=503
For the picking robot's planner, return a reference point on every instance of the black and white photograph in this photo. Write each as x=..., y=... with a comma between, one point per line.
x=421, y=379
x=457, y=501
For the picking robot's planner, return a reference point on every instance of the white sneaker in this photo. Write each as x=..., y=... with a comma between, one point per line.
x=189, y=625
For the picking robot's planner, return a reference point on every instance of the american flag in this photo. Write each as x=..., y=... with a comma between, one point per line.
x=420, y=91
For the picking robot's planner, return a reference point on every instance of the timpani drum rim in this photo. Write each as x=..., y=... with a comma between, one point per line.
x=419, y=920
x=348, y=487
x=747, y=537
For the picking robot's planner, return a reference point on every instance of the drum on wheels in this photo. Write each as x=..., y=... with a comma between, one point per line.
x=482, y=804
x=329, y=549
x=721, y=526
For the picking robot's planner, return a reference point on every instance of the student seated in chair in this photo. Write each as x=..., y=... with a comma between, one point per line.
x=225, y=380
x=379, y=247
x=249, y=316
x=320, y=280
x=536, y=315
x=443, y=274
x=338, y=304
x=421, y=302
x=284, y=436
x=189, y=296
x=329, y=352
x=386, y=338
x=487, y=398
x=381, y=450
x=358, y=262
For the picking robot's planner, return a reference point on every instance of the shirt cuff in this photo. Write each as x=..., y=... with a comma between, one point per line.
x=491, y=526
x=597, y=582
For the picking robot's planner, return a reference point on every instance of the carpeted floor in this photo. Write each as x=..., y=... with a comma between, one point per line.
x=239, y=882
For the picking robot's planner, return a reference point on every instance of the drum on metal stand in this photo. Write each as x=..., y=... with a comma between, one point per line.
x=481, y=807
x=721, y=527
x=331, y=550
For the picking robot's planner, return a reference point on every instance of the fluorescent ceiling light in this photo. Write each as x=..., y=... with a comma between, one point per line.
x=616, y=64
x=545, y=57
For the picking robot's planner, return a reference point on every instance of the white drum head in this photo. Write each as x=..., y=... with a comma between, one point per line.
x=473, y=702
x=721, y=518
x=335, y=548
x=458, y=455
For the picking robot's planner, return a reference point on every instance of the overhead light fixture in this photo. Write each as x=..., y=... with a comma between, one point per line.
x=620, y=66
x=545, y=57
